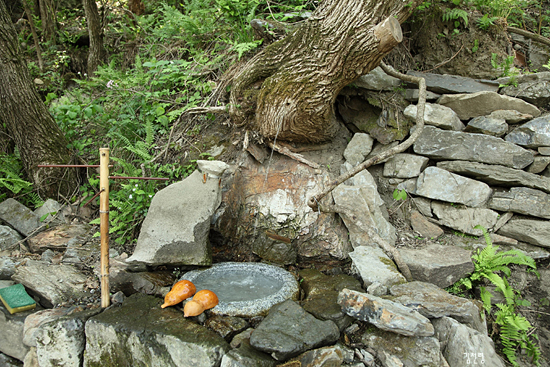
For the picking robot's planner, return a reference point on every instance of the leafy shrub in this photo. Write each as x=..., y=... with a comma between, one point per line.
x=493, y=266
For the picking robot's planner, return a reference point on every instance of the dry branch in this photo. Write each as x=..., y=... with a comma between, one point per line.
x=314, y=201
x=535, y=37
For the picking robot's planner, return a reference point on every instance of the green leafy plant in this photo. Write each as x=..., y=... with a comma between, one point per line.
x=507, y=68
x=493, y=266
x=486, y=21
x=476, y=46
x=399, y=195
x=454, y=15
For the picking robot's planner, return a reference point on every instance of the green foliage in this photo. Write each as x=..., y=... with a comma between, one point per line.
x=454, y=15
x=476, y=46
x=507, y=68
x=485, y=21
x=399, y=195
x=10, y=177
x=493, y=266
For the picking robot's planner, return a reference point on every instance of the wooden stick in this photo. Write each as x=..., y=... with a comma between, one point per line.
x=104, y=224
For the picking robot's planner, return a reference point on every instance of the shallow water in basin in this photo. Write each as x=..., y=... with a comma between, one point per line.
x=236, y=286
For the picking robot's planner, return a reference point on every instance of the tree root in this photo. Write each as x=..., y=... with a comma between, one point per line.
x=298, y=157
x=314, y=201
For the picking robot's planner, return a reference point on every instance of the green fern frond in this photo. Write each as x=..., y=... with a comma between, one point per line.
x=454, y=14
x=149, y=133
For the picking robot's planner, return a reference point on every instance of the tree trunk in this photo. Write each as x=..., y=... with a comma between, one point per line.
x=301, y=75
x=47, y=15
x=96, y=52
x=28, y=122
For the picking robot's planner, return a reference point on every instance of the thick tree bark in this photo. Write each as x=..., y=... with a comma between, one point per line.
x=301, y=75
x=47, y=15
x=96, y=52
x=28, y=122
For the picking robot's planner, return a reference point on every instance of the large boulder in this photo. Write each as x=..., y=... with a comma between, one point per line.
x=465, y=219
x=141, y=333
x=177, y=226
x=265, y=207
x=535, y=232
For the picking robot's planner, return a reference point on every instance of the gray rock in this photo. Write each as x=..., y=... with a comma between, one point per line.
x=439, y=184
x=245, y=356
x=377, y=79
x=374, y=266
x=442, y=144
x=405, y=165
x=487, y=125
x=535, y=232
x=7, y=268
x=133, y=334
x=423, y=226
x=544, y=150
x=423, y=205
x=8, y=237
x=226, y=326
x=62, y=342
x=411, y=351
x=438, y=264
x=365, y=212
x=522, y=200
x=497, y=175
x=6, y=361
x=358, y=148
x=462, y=346
x=11, y=333
x=502, y=240
x=49, y=209
x=465, y=219
x=384, y=314
x=533, y=88
x=433, y=302
x=454, y=84
x=326, y=356
x=31, y=327
x=53, y=284
x=539, y=164
x=177, y=225
x=60, y=237
x=472, y=105
x=437, y=115
x=510, y=116
x=411, y=95
x=18, y=216
x=533, y=134
x=214, y=169
x=288, y=331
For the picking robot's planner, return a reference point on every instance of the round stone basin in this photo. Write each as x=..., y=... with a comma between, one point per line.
x=245, y=289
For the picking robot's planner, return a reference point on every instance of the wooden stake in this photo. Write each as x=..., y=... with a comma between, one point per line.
x=104, y=224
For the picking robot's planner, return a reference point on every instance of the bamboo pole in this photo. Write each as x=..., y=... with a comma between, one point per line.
x=104, y=224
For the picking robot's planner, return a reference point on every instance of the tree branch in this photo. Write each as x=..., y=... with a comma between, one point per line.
x=536, y=37
x=390, y=152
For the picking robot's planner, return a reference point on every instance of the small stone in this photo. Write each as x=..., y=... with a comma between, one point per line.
x=214, y=169
x=510, y=116
x=487, y=125
x=539, y=164
x=437, y=115
x=358, y=148
x=425, y=227
x=405, y=165
x=544, y=150
x=384, y=314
